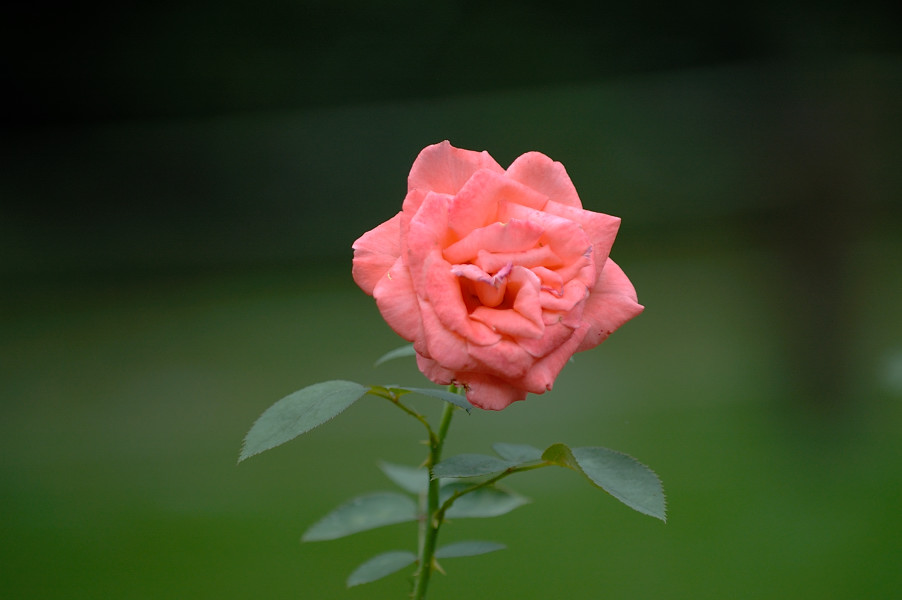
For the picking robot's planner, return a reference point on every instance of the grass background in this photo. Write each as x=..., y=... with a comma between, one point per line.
x=175, y=229
x=119, y=476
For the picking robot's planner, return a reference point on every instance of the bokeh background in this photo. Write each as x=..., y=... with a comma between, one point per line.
x=180, y=186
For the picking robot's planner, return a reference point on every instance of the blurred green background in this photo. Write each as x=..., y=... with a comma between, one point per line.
x=179, y=189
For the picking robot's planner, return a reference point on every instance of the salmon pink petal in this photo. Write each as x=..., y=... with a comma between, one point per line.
x=540, y=378
x=426, y=235
x=413, y=200
x=573, y=292
x=506, y=358
x=526, y=286
x=375, y=252
x=543, y=255
x=600, y=229
x=444, y=346
x=552, y=282
x=397, y=301
x=515, y=236
x=434, y=371
x=483, y=197
x=428, y=227
x=508, y=322
x=544, y=175
x=489, y=392
x=554, y=335
x=612, y=303
x=489, y=289
x=581, y=270
x=470, y=209
x=442, y=289
x=445, y=169
x=566, y=238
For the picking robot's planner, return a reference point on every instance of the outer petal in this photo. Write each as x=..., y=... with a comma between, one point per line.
x=541, y=376
x=611, y=303
x=600, y=228
x=375, y=252
x=445, y=346
x=434, y=371
x=397, y=301
x=506, y=359
x=483, y=391
x=443, y=168
x=546, y=176
x=490, y=393
x=425, y=236
x=556, y=334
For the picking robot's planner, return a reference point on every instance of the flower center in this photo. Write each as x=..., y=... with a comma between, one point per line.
x=481, y=288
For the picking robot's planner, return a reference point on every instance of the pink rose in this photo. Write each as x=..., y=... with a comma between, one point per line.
x=497, y=277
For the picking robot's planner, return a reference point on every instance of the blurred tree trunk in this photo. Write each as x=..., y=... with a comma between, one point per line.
x=820, y=211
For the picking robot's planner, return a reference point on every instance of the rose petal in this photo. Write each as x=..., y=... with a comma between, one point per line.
x=441, y=344
x=375, y=252
x=506, y=359
x=541, y=256
x=553, y=336
x=425, y=235
x=442, y=290
x=546, y=176
x=552, y=282
x=434, y=371
x=483, y=197
x=508, y=322
x=490, y=393
x=600, y=229
x=427, y=232
x=610, y=304
x=483, y=391
x=445, y=169
x=511, y=237
x=488, y=289
x=526, y=287
x=573, y=292
x=397, y=301
x=540, y=378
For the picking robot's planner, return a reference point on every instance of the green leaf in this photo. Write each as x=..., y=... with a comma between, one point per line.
x=489, y=501
x=298, y=413
x=560, y=454
x=468, y=548
x=381, y=565
x=517, y=453
x=455, y=399
x=401, y=352
x=412, y=479
x=619, y=474
x=363, y=513
x=625, y=478
x=470, y=465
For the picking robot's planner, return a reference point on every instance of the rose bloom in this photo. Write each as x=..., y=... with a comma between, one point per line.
x=497, y=277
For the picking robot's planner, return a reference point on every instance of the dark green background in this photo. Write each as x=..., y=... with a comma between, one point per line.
x=179, y=189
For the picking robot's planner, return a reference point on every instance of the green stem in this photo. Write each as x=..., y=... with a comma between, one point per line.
x=393, y=398
x=432, y=519
x=488, y=482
